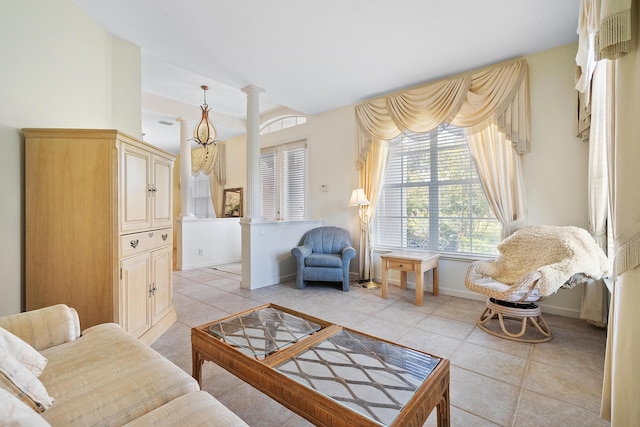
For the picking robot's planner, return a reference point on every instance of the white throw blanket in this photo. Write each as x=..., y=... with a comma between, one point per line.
x=556, y=252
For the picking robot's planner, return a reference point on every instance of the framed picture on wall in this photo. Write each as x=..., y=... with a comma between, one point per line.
x=232, y=202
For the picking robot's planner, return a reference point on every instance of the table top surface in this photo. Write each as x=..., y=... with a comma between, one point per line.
x=373, y=377
x=411, y=254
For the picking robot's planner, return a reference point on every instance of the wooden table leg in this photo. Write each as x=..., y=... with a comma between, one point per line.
x=384, y=279
x=403, y=279
x=419, y=286
x=436, y=285
x=196, y=366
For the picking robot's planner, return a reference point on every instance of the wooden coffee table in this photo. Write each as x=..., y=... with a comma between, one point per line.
x=328, y=374
x=407, y=260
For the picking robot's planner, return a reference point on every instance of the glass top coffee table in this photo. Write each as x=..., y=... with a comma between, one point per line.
x=328, y=374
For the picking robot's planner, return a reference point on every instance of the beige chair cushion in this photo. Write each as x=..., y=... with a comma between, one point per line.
x=19, y=381
x=23, y=352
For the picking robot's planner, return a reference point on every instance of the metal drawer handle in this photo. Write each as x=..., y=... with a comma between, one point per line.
x=164, y=236
x=134, y=243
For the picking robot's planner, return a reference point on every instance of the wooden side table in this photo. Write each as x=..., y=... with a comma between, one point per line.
x=415, y=261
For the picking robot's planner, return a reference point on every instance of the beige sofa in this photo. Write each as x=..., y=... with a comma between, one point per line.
x=103, y=377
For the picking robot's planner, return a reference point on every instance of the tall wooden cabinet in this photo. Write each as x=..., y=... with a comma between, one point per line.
x=99, y=228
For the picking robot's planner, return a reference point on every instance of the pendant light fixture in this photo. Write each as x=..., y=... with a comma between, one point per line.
x=205, y=134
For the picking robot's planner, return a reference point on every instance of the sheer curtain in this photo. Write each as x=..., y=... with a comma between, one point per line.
x=492, y=104
x=595, y=297
x=210, y=160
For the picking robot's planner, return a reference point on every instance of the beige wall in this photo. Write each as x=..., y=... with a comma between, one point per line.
x=556, y=167
x=58, y=70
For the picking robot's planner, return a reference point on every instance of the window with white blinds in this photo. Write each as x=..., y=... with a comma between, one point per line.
x=432, y=198
x=201, y=197
x=283, y=174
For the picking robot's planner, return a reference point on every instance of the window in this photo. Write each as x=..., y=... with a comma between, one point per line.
x=283, y=174
x=282, y=122
x=201, y=197
x=432, y=198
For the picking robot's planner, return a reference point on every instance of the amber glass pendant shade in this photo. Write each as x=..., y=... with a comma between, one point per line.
x=204, y=133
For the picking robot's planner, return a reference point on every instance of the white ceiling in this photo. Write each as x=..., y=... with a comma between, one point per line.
x=314, y=56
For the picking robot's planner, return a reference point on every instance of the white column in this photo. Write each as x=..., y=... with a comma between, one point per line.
x=186, y=179
x=253, y=152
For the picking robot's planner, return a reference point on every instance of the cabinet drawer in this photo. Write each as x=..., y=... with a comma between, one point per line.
x=137, y=243
x=401, y=265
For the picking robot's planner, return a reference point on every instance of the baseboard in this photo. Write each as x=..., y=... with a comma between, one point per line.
x=466, y=294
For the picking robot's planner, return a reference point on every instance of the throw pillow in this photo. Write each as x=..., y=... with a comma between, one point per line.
x=19, y=381
x=23, y=352
x=16, y=413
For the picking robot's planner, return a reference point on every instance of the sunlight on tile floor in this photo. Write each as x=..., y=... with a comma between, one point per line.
x=494, y=382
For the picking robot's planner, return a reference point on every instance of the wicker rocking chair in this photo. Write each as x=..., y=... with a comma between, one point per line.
x=539, y=260
x=517, y=302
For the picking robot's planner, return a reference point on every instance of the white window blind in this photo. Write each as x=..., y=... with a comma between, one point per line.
x=268, y=177
x=201, y=197
x=432, y=198
x=283, y=174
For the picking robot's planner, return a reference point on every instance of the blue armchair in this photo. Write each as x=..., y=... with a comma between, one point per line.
x=324, y=256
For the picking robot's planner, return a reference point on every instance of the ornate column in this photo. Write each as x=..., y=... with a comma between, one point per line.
x=186, y=179
x=253, y=152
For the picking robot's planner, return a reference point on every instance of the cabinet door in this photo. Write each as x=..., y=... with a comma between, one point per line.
x=135, y=293
x=135, y=190
x=161, y=271
x=161, y=195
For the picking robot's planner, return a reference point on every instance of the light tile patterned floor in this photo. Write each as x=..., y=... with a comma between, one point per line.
x=493, y=381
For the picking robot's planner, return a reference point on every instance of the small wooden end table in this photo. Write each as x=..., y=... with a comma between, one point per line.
x=407, y=260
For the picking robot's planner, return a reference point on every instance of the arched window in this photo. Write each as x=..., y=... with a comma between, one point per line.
x=282, y=122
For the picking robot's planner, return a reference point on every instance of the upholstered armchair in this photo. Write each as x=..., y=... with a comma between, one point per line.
x=324, y=256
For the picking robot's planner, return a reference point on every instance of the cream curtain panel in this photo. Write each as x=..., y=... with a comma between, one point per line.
x=618, y=104
x=500, y=169
x=492, y=105
x=371, y=175
x=210, y=160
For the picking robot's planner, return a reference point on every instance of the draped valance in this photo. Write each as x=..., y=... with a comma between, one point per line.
x=495, y=95
x=208, y=160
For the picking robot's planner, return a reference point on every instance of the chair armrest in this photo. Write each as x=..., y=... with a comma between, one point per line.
x=44, y=327
x=348, y=252
x=301, y=252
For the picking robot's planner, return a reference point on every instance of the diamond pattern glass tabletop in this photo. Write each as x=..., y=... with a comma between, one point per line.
x=263, y=332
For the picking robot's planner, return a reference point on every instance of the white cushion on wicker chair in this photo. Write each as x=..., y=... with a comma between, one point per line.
x=504, y=292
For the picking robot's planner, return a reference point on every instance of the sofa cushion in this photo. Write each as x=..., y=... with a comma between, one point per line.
x=193, y=409
x=108, y=377
x=19, y=381
x=323, y=260
x=23, y=352
x=15, y=413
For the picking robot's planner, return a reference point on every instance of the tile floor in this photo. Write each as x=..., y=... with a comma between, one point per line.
x=494, y=382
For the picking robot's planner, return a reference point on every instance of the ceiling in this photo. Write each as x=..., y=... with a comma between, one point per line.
x=314, y=56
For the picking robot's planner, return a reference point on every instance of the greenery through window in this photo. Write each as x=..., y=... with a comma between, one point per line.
x=432, y=198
